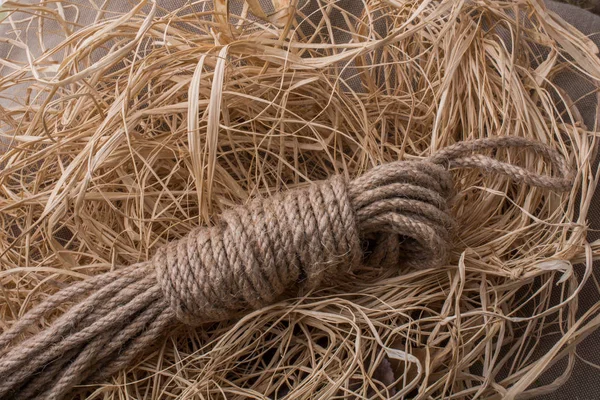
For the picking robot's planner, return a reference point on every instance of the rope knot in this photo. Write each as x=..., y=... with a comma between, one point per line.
x=301, y=238
x=258, y=252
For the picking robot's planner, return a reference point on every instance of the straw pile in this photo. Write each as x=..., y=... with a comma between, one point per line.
x=133, y=127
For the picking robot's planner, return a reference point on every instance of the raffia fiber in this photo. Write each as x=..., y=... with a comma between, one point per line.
x=184, y=117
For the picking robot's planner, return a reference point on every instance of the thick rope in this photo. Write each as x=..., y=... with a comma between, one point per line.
x=396, y=214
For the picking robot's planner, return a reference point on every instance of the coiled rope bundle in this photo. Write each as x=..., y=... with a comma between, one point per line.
x=257, y=254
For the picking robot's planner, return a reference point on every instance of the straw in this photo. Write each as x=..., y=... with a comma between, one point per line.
x=133, y=127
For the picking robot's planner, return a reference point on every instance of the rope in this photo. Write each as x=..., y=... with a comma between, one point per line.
x=268, y=250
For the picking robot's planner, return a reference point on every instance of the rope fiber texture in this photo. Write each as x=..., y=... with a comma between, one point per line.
x=257, y=254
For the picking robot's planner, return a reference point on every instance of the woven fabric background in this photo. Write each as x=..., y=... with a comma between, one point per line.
x=584, y=383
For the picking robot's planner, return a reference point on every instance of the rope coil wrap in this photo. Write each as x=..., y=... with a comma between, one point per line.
x=257, y=254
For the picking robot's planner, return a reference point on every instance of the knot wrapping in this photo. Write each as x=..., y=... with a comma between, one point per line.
x=395, y=214
x=255, y=253
x=300, y=238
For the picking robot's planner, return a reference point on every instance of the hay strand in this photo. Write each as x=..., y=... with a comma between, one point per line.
x=125, y=130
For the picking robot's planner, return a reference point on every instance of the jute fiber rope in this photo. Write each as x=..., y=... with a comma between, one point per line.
x=270, y=249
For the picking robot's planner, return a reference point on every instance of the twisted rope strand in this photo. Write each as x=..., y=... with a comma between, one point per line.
x=61, y=297
x=257, y=254
x=105, y=345
x=460, y=155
